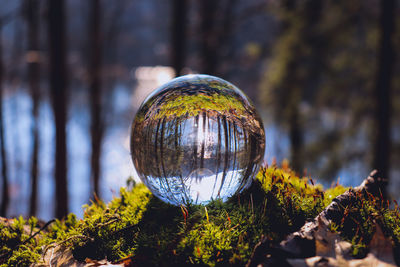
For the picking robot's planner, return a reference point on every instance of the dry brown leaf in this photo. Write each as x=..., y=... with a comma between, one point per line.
x=381, y=247
x=60, y=256
x=381, y=253
x=96, y=263
x=325, y=240
x=316, y=261
x=343, y=250
x=370, y=261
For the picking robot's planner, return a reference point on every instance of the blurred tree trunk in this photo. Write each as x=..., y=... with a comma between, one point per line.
x=226, y=50
x=383, y=111
x=97, y=127
x=294, y=93
x=216, y=18
x=58, y=85
x=32, y=18
x=14, y=73
x=178, y=38
x=313, y=10
x=5, y=197
x=208, y=44
x=302, y=69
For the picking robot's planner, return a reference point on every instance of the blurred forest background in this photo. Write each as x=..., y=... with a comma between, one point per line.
x=323, y=74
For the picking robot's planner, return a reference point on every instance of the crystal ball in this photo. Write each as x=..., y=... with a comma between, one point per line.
x=195, y=139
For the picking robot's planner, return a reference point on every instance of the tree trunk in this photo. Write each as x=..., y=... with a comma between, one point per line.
x=58, y=85
x=209, y=40
x=178, y=50
x=216, y=28
x=32, y=18
x=300, y=81
x=97, y=127
x=383, y=111
x=226, y=31
x=5, y=194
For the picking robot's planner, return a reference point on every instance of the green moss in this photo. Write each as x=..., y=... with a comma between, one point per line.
x=140, y=228
x=15, y=248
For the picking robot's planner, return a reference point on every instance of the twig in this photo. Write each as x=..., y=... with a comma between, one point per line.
x=4, y=255
x=41, y=229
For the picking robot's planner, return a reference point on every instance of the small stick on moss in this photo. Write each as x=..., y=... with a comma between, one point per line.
x=5, y=255
x=41, y=229
x=108, y=223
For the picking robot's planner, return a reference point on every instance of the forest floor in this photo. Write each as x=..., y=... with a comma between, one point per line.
x=281, y=220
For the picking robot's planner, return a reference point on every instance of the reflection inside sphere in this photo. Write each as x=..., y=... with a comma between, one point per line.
x=195, y=139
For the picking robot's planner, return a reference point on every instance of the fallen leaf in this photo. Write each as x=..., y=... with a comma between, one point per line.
x=316, y=261
x=325, y=240
x=370, y=260
x=343, y=250
x=381, y=247
x=59, y=256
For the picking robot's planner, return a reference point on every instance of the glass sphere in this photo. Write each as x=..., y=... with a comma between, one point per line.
x=195, y=139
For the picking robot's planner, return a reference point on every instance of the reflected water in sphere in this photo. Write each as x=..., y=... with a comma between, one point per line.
x=195, y=139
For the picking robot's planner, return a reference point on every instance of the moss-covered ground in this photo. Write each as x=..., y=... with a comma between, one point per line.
x=139, y=229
